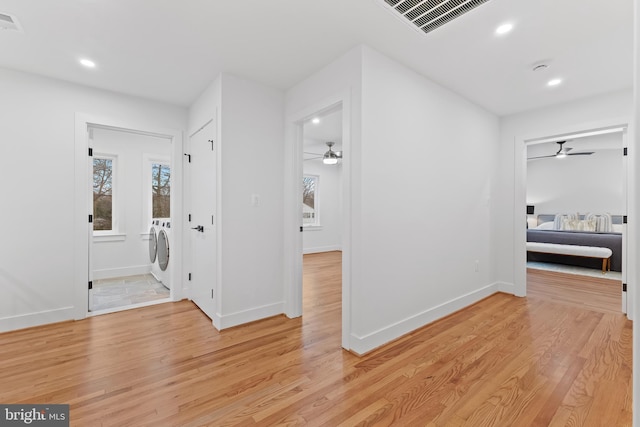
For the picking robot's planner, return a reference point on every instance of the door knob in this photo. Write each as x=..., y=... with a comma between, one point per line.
x=199, y=228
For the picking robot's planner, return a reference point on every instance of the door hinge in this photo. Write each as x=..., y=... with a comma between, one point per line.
x=624, y=151
x=624, y=219
x=189, y=276
x=90, y=218
x=189, y=217
x=301, y=229
x=188, y=157
x=211, y=141
x=211, y=293
x=90, y=152
x=90, y=284
x=624, y=287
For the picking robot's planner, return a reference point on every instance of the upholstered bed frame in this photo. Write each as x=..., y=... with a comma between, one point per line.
x=612, y=241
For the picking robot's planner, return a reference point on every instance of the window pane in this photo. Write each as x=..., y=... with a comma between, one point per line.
x=161, y=190
x=309, y=213
x=102, y=194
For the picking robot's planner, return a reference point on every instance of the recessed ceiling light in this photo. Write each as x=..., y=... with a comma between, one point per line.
x=554, y=82
x=88, y=63
x=315, y=120
x=504, y=29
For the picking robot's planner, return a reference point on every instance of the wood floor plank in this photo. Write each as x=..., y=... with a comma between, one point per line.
x=536, y=361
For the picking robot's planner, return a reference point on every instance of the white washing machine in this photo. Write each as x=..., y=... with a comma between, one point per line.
x=153, y=244
x=161, y=268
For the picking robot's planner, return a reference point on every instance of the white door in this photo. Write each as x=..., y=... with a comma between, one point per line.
x=202, y=170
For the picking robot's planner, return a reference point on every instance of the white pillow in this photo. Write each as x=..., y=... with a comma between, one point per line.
x=545, y=226
x=557, y=221
x=579, y=225
x=603, y=222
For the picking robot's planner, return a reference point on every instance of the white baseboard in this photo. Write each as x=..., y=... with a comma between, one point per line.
x=36, y=319
x=367, y=343
x=507, y=288
x=246, y=316
x=109, y=273
x=322, y=249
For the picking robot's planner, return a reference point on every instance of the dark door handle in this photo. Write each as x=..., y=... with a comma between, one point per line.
x=199, y=228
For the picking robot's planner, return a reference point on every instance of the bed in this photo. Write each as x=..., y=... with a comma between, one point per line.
x=611, y=240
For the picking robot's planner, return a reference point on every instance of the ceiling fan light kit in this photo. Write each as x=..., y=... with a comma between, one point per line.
x=330, y=157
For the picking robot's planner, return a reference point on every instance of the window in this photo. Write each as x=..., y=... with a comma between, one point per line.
x=310, y=212
x=103, y=168
x=160, y=190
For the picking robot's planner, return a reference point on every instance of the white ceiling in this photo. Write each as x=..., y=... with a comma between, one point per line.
x=169, y=50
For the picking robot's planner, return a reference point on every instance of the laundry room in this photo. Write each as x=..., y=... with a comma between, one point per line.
x=131, y=239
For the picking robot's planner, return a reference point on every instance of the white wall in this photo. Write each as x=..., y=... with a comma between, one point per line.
x=251, y=136
x=128, y=253
x=579, y=183
x=418, y=214
x=427, y=156
x=37, y=114
x=327, y=237
x=543, y=122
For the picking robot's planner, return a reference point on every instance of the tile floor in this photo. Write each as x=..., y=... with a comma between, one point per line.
x=124, y=291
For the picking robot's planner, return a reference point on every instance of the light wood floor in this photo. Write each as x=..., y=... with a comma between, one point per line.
x=505, y=361
x=580, y=291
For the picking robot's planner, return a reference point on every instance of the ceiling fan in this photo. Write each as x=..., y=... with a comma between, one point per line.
x=329, y=158
x=563, y=152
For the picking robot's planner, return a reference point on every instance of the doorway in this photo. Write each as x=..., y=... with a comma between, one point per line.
x=131, y=236
x=322, y=211
x=591, y=183
x=294, y=230
x=125, y=229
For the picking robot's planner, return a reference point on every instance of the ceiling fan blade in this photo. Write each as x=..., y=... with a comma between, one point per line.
x=540, y=157
x=583, y=153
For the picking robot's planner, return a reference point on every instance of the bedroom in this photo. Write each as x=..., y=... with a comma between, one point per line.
x=577, y=199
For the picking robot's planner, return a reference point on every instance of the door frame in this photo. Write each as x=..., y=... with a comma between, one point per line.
x=520, y=181
x=293, y=251
x=83, y=207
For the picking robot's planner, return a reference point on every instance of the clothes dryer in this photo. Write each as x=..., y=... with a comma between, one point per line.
x=163, y=272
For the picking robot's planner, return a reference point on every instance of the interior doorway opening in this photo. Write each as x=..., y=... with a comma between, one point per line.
x=294, y=230
x=576, y=209
x=131, y=234
x=322, y=213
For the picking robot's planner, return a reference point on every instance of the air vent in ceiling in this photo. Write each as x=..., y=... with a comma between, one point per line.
x=8, y=22
x=427, y=15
